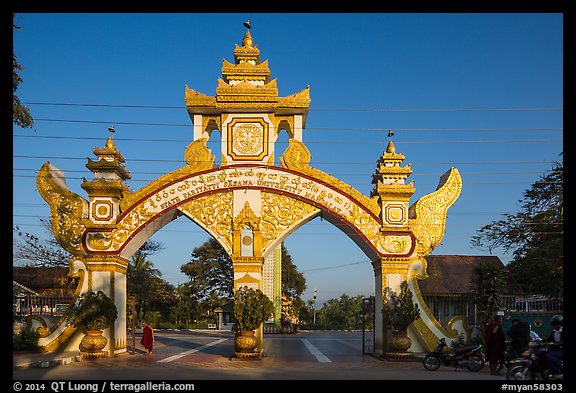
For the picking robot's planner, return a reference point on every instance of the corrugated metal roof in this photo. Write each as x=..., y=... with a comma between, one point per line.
x=450, y=274
x=24, y=288
x=228, y=307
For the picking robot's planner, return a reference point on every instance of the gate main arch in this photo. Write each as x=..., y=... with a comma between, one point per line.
x=247, y=203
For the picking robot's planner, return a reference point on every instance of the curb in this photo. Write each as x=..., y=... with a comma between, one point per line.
x=48, y=363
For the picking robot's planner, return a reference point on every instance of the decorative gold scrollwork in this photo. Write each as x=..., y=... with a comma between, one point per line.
x=280, y=212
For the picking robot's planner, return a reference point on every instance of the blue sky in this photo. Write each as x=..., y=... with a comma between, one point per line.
x=480, y=92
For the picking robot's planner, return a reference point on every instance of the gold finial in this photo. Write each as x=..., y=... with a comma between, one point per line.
x=110, y=141
x=247, y=41
x=390, y=148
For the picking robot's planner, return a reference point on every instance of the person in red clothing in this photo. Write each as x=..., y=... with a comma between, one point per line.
x=495, y=343
x=147, y=338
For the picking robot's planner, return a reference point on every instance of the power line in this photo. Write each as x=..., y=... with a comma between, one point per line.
x=346, y=129
x=317, y=162
x=435, y=109
x=125, y=123
x=35, y=170
x=469, y=183
x=523, y=109
x=335, y=267
x=455, y=213
x=328, y=142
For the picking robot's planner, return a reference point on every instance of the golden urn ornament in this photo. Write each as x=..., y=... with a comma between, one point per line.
x=246, y=344
x=92, y=345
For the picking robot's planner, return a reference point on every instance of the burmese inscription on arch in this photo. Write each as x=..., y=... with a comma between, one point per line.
x=249, y=176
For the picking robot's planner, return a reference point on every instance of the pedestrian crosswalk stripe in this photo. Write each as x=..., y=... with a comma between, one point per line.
x=181, y=355
x=316, y=352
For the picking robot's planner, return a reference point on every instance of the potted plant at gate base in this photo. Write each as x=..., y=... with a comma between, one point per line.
x=93, y=312
x=251, y=308
x=399, y=312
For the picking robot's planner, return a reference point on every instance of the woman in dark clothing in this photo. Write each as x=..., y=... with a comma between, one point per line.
x=495, y=343
x=520, y=335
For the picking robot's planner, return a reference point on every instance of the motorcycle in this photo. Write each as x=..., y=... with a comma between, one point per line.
x=469, y=357
x=507, y=357
x=531, y=365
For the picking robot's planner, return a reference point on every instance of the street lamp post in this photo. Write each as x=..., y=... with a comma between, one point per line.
x=314, y=306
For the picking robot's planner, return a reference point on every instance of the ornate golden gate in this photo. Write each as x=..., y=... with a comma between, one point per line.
x=246, y=203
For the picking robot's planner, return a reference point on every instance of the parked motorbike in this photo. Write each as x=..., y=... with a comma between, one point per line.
x=507, y=357
x=531, y=365
x=468, y=357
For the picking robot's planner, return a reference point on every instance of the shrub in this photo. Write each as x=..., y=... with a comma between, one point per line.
x=251, y=308
x=26, y=340
x=94, y=311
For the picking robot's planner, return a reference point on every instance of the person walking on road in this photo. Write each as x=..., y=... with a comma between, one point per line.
x=495, y=343
x=148, y=338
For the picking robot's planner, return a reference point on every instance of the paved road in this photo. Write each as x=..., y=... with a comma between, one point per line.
x=193, y=356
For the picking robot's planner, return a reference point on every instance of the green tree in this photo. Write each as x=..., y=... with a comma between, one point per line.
x=185, y=309
x=342, y=313
x=534, y=235
x=144, y=282
x=164, y=297
x=293, y=282
x=209, y=304
x=20, y=113
x=305, y=312
x=486, y=288
x=210, y=269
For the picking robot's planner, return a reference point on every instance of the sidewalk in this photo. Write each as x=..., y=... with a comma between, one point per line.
x=44, y=359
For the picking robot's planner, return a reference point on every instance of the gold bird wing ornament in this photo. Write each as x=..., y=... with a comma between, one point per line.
x=68, y=210
x=427, y=217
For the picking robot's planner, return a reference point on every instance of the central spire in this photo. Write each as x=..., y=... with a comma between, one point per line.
x=247, y=41
x=248, y=52
x=246, y=85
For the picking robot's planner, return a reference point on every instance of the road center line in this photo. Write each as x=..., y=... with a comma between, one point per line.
x=181, y=355
x=316, y=352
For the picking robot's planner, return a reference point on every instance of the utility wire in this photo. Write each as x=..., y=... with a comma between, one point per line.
x=312, y=223
x=533, y=109
x=317, y=162
x=363, y=142
x=35, y=170
x=309, y=128
x=335, y=267
x=351, y=184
